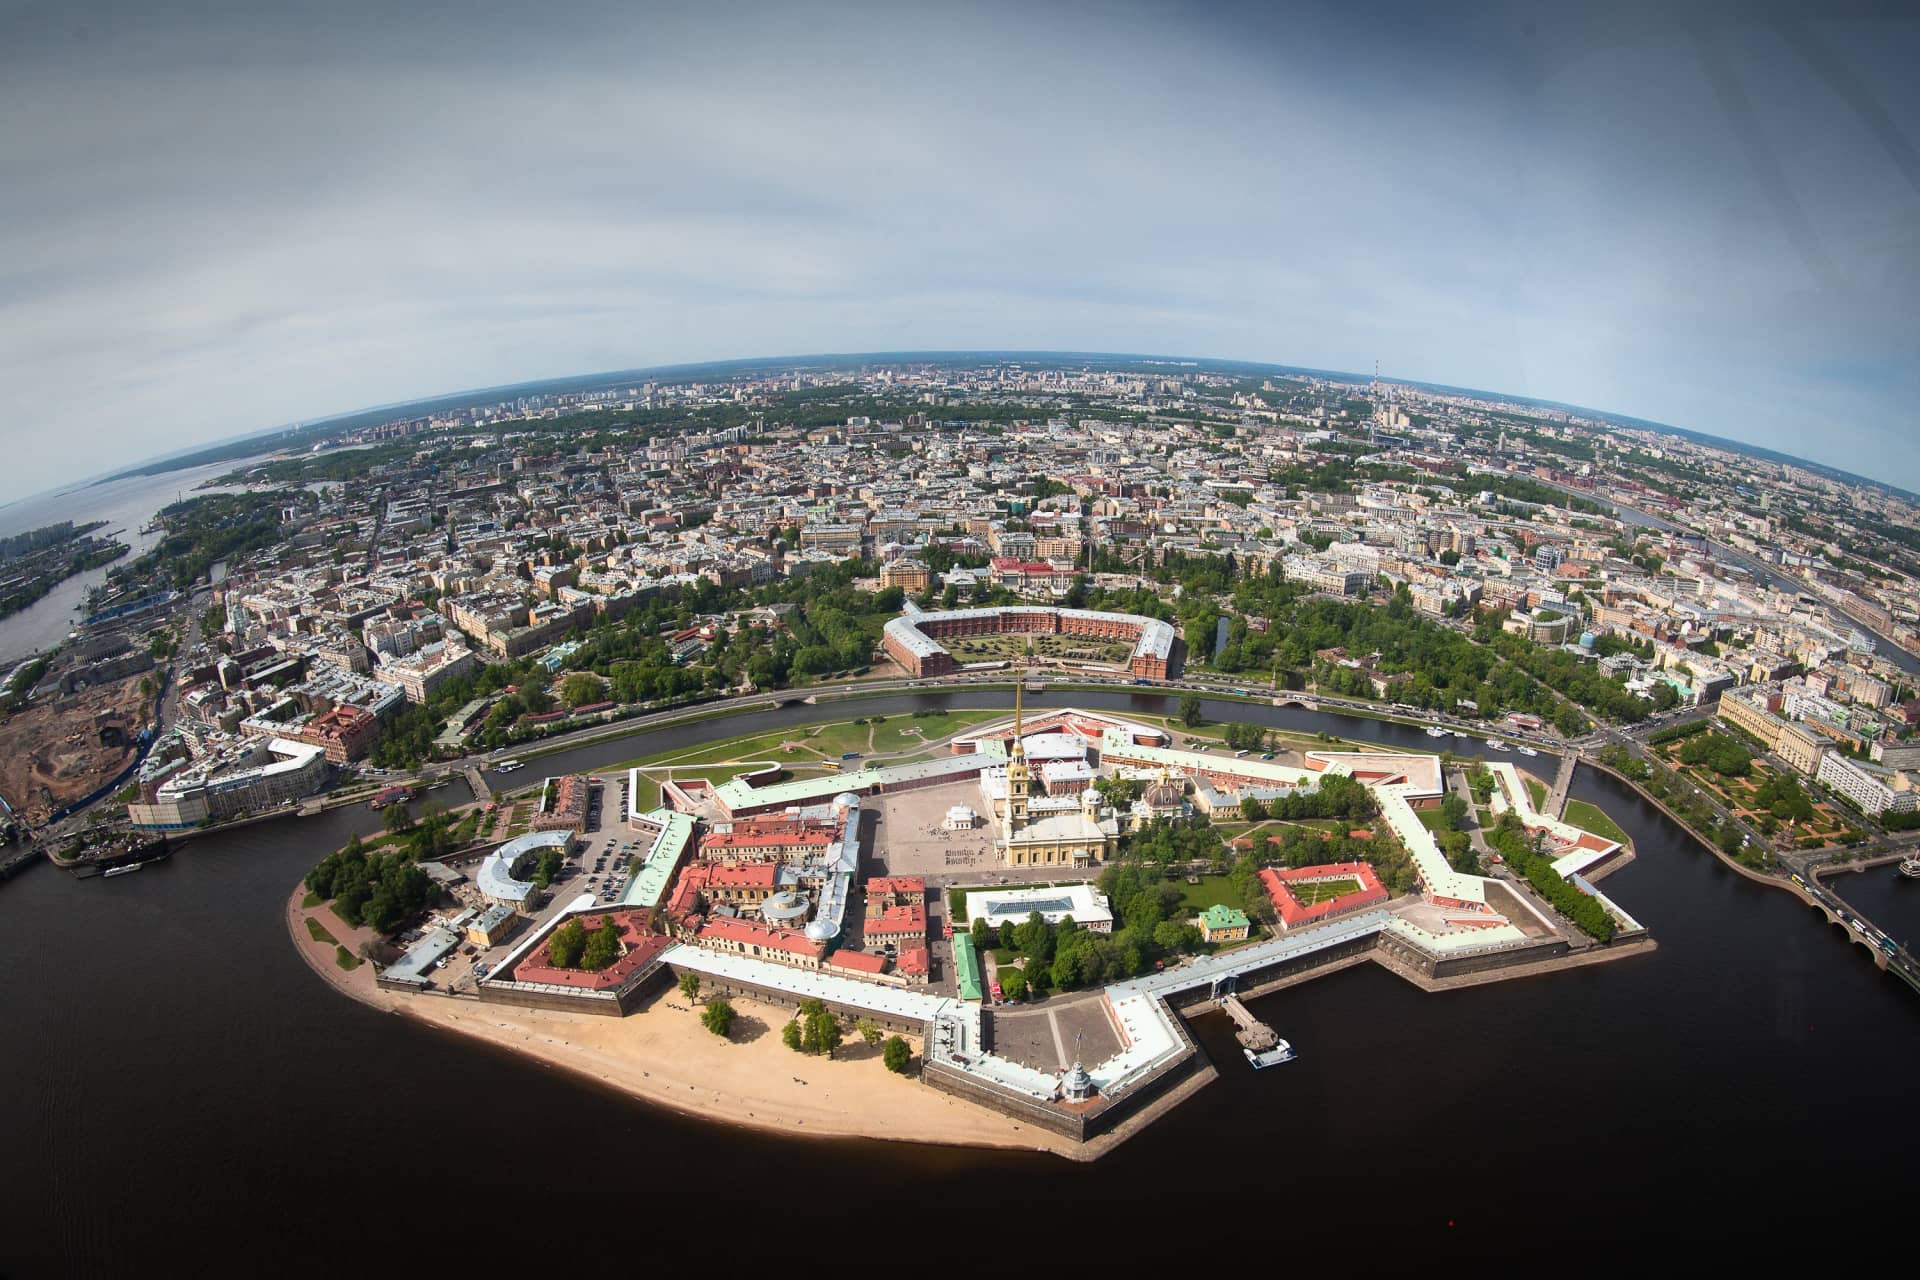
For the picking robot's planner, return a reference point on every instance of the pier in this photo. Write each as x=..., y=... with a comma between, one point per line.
x=1254, y=1035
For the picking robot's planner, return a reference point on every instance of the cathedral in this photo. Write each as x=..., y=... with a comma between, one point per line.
x=1056, y=826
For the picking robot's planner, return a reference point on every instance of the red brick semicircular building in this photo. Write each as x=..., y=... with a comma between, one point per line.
x=914, y=639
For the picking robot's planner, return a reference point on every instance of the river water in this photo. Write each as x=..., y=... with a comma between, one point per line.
x=179, y=1086
x=126, y=505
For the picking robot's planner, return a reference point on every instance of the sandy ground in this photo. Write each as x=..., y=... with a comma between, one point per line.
x=662, y=1054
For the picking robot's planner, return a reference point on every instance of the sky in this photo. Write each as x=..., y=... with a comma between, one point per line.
x=217, y=218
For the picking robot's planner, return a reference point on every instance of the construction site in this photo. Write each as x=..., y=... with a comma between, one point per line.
x=66, y=745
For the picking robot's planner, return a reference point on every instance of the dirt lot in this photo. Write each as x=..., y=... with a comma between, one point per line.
x=50, y=753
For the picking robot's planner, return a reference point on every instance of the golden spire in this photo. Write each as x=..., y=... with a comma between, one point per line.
x=1019, y=684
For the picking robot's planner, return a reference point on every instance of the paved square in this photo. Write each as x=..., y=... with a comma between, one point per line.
x=911, y=839
x=1044, y=1037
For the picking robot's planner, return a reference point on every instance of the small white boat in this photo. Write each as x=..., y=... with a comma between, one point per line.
x=1281, y=1052
x=1436, y=732
x=1459, y=733
x=1494, y=744
x=129, y=869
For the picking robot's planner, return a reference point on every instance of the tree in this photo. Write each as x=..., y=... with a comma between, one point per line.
x=819, y=1030
x=603, y=946
x=1190, y=713
x=397, y=818
x=1013, y=984
x=569, y=942
x=896, y=1055
x=718, y=1017
x=1251, y=809
x=983, y=935
x=690, y=986
x=790, y=1036
x=582, y=688
x=869, y=1031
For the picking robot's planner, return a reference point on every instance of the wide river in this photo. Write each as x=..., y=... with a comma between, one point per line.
x=178, y=1085
x=126, y=505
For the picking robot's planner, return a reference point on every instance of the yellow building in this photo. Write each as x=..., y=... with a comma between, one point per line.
x=1063, y=838
x=1221, y=923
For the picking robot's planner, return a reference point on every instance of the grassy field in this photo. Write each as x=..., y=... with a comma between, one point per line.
x=1195, y=898
x=821, y=742
x=1323, y=890
x=345, y=958
x=1537, y=792
x=1432, y=819
x=1061, y=648
x=312, y=900
x=1589, y=817
x=318, y=932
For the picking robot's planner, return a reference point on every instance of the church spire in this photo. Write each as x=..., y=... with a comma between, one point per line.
x=1019, y=685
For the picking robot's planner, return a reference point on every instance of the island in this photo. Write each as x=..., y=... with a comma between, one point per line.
x=993, y=933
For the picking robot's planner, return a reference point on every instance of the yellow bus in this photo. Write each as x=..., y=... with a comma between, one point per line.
x=831, y=766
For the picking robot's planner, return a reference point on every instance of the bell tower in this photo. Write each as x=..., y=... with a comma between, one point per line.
x=1019, y=775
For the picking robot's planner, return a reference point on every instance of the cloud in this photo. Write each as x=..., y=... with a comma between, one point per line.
x=242, y=216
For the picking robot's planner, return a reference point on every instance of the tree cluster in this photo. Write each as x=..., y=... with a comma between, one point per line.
x=1510, y=838
x=813, y=1030
x=378, y=890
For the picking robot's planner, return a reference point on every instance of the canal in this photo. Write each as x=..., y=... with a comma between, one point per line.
x=179, y=1086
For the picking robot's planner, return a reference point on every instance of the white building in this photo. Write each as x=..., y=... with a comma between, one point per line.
x=1875, y=791
x=1080, y=903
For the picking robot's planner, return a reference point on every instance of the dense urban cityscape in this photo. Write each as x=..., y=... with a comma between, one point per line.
x=401, y=614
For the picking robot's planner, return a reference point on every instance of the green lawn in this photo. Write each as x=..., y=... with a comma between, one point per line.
x=312, y=900
x=1195, y=898
x=318, y=932
x=1323, y=890
x=1537, y=792
x=1432, y=819
x=345, y=958
x=1589, y=817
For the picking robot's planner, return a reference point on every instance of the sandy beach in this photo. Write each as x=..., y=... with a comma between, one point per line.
x=663, y=1055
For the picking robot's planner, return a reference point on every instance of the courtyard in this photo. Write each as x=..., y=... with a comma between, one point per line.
x=1052, y=1035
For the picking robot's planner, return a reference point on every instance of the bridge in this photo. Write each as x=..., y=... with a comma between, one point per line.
x=481, y=791
x=1557, y=798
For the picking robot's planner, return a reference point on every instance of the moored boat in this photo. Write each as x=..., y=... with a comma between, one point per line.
x=1281, y=1052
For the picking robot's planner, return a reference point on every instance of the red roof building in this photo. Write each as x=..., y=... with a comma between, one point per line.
x=894, y=891
x=639, y=948
x=762, y=942
x=907, y=923
x=1293, y=913
x=861, y=963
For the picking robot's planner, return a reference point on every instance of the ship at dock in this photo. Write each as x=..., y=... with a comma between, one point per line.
x=114, y=854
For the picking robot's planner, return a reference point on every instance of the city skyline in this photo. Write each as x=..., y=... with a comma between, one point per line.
x=240, y=219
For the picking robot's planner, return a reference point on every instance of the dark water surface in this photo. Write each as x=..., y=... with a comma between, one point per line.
x=177, y=1085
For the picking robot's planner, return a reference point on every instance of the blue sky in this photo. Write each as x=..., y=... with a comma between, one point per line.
x=222, y=218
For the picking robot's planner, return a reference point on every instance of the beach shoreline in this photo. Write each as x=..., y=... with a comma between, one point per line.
x=663, y=1055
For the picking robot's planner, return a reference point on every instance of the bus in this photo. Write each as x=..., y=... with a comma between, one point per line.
x=831, y=766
